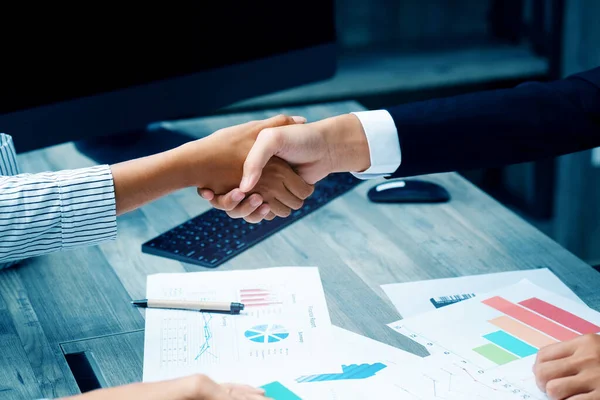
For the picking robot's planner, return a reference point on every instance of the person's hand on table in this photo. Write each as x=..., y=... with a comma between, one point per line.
x=570, y=370
x=194, y=387
x=314, y=150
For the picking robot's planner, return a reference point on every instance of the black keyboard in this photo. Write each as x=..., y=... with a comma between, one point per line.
x=212, y=238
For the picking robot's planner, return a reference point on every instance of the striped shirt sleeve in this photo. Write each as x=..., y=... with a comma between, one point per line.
x=51, y=211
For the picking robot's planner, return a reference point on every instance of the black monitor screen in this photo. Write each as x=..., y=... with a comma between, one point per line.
x=54, y=55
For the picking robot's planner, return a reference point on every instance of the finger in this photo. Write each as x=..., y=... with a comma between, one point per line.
x=564, y=388
x=270, y=216
x=281, y=120
x=299, y=119
x=246, y=207
x=555, y=369
x=229, y=201
x=244, y=388
x=556, y=351
x=259, y=214
x=279, y=209
x=296, y=185
x=267, y=144
x=258, y=397
x=264, y=148
x=585, y=396
x=206, y=194
x=288, y=199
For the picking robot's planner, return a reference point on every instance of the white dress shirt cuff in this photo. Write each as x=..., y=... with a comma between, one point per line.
x=88, y=206
x=384, y=145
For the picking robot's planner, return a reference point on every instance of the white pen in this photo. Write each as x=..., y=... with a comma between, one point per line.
x=206, y=306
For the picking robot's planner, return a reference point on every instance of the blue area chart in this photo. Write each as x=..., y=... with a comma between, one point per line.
x=353, y=371
x=268, y=333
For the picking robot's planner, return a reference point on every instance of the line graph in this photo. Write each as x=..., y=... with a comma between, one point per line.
x=205, y=347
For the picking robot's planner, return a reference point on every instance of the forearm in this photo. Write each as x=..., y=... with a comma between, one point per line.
x=143, y=180
x=148, y=391
x=494, y=128
x=192, y=387
x=46, y=212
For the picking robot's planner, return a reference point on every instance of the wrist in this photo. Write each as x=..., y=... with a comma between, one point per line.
x=189, y=164
x=347, y=143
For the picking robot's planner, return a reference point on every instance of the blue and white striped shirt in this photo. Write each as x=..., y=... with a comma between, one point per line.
x=50, y=211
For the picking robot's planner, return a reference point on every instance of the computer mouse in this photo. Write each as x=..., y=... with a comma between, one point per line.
x=408, y=191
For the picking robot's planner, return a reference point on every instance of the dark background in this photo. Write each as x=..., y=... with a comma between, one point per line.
x=108, y=50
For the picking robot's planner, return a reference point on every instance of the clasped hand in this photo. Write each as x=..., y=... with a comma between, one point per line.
x=276, y=191
x=314, y=150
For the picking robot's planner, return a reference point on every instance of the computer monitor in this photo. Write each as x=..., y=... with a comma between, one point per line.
x=80, y=73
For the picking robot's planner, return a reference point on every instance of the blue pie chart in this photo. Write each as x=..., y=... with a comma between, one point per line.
x=268, y=333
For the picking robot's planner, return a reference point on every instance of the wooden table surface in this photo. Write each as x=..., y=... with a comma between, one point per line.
x=79, y=301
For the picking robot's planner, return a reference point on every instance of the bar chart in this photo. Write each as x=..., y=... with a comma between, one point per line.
x=258, y=297
x=527, y=326
x=491, y=341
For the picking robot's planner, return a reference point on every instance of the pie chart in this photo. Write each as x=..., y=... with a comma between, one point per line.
x=268, y=333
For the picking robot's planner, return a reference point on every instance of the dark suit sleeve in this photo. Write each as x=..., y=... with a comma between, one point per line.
x=532, y=121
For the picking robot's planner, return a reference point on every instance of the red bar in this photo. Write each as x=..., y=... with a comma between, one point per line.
x=259, y=300
x=261, y=304
x=530, y=318
x=253, y=291
x=561, y=316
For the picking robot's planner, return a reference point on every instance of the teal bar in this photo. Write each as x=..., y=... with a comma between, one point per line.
x=511, y=344
x=277, y=391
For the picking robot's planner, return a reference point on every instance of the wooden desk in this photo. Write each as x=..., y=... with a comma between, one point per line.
x=79, y=301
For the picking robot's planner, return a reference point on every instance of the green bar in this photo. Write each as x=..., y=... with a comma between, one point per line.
x=495, y=354
x=277, y=391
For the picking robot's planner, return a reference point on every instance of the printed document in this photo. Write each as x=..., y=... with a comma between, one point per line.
x=285, y=326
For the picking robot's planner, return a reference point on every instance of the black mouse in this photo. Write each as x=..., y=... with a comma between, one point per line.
x=408, y=191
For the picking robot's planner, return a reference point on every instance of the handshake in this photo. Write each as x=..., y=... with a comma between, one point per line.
x=265, y=169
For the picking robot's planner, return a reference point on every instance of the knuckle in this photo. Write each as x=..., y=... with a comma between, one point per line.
x=542, y=353
x=589, y=339
x=281, y=119
x=588, y=359
x=198, y=383
x=271, y=135
x=554, y=389
x=541, y=373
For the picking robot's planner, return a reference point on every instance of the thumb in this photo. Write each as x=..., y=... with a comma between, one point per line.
x=267, y=145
